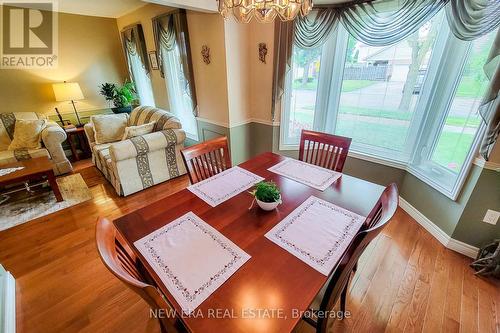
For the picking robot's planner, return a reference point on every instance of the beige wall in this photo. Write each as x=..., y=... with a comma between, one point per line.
x=210, y=80
x=89, y=53
x=495, y=154
x=261, y=74
x=237, y=40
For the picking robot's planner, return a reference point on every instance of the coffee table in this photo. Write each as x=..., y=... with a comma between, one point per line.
x=32, y=169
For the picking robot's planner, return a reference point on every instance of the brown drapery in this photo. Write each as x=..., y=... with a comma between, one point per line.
x=283, y=40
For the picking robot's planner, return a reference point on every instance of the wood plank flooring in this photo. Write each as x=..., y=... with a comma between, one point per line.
x=406, y=281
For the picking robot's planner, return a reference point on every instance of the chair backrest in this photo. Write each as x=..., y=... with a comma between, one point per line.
x=325, y=150
x=206, y=159
x=145, y=114
x=124, y=264
x=381, y=214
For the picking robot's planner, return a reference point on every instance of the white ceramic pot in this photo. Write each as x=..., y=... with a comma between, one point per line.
x=268, y=205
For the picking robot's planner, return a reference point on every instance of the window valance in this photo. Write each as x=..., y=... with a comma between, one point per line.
x=170, y=31
x=134, y=44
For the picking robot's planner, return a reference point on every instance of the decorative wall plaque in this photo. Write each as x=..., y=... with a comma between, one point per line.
x=262, y=52
x=205, y=52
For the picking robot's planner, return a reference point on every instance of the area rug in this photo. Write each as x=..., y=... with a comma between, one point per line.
x=21, y=206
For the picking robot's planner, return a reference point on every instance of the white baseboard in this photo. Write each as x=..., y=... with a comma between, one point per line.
x=463, y=248
x=436, y=232
x=7, y=302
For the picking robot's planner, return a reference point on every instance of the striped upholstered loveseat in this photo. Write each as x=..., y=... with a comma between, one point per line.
x=52, y=138
x=140, y=162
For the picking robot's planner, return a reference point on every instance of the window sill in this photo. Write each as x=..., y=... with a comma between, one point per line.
x=452, y=195
x=360, y=156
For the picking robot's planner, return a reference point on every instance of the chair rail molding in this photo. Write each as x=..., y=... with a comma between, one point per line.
x=450, y=243
x=7, y=302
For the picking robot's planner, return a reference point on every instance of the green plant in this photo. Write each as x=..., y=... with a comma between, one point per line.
x=266, y=192
x=121, y=96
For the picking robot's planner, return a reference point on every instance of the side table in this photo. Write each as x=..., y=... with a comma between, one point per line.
x=76, y=135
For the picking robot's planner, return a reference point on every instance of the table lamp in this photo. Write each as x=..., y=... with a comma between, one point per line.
x=68, y=91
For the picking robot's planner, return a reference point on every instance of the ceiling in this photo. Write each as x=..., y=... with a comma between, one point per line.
x=117, y=8
x=104, y=8
x=328, y=2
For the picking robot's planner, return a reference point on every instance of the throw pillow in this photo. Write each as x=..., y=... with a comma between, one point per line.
x=27, y=134
x=109, y=127
x=132, y=131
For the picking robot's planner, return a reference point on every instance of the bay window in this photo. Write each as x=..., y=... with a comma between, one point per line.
x=413, y=103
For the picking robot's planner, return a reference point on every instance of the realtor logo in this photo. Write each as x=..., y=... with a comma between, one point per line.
x=28, y=34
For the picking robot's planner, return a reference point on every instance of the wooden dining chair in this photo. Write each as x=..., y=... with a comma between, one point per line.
x=325, y=150
x=338, y=281
x=206, y=159
x=124, y=264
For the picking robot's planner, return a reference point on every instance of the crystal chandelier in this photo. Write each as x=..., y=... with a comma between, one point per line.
x=264, y=10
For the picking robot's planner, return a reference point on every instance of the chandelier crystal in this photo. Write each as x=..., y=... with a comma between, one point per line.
x=264, y=10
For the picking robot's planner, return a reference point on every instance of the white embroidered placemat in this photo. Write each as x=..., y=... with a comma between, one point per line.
x=6, y=171
x=305, y=173
x=191, y=258
x=224, y=185
x=317, y=232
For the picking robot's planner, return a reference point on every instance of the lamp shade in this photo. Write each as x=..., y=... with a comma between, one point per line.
x=67, y=91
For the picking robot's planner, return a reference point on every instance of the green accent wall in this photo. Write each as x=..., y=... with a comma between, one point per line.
x=485, y=195
x=437, y=207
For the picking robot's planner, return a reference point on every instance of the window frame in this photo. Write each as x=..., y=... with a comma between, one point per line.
x=425, y=127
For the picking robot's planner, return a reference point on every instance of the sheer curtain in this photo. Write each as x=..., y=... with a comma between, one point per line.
x=137, y=60
x=180, y=101
x=141, y=79
x=172, y=44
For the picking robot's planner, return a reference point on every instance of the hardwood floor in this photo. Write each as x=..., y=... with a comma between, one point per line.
x=406, y=281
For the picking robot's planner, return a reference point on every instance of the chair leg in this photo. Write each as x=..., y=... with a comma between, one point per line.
x=163, y=329
x=343, y=297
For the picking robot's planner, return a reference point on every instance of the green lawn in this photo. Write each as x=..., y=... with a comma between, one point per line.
x=470, y=88
x=400, y=115
x=347, y=86
x=452, y=148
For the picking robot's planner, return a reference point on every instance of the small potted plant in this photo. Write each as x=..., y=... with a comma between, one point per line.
x=267, y=195
x=122, y=97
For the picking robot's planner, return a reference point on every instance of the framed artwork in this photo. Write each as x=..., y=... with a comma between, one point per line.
x=153, y=60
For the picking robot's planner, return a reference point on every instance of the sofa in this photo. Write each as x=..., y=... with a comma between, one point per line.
x=140, y=162
x=52, y=138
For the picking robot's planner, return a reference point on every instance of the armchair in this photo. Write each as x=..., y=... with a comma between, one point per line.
x=143, y=161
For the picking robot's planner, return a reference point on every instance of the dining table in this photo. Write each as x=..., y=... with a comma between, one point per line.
x=270, y=292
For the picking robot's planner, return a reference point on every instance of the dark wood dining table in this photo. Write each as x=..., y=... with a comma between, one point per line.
x=268, y=292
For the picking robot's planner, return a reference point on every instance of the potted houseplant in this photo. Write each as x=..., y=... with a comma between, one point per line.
x=267, y=195
x=122, y=97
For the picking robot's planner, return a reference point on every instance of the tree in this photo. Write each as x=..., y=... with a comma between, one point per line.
x=419, y=49
x=352, y=53
x=304, y=58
